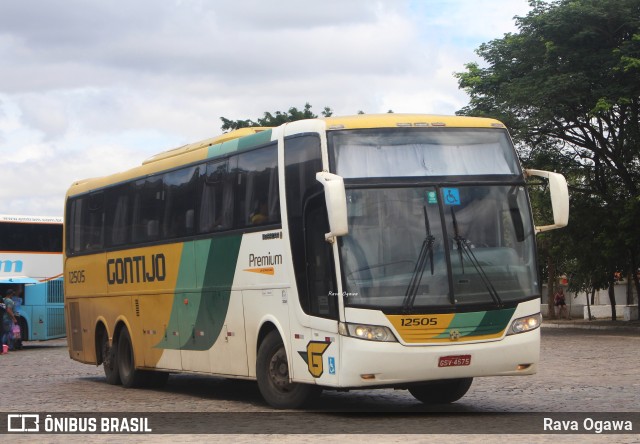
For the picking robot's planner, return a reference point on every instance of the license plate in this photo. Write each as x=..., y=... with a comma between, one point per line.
x=454, y=361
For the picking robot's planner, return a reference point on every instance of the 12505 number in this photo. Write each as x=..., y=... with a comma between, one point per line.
x=76, y=277
x=418, y=322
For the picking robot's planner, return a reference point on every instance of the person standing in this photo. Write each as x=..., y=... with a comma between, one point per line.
x=8, y=319
x=561, y=303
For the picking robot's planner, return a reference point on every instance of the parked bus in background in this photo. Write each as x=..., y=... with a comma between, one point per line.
x=338, y=253
x=31, y=265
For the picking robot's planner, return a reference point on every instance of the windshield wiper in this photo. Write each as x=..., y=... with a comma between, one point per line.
x=463, y=246
x=426, y=253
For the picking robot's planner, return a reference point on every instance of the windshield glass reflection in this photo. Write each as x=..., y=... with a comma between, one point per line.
x=410, y=248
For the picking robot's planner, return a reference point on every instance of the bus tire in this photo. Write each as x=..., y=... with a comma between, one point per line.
x=129, y=376
x=272, y=373
x=109, y=360
x=441, y=392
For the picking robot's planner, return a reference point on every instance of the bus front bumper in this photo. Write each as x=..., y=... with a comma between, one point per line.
x=370, y=363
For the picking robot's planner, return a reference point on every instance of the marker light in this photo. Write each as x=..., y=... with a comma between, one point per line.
x=528, y=323
x=367, y=332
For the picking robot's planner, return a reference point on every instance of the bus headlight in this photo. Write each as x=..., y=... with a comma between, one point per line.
x=367, y=332
x=525, y=324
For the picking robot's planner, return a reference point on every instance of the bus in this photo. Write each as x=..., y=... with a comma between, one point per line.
x=335, y=253
x=31, y=266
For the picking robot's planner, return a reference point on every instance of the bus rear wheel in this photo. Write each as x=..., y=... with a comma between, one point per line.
x=441, y=392
x=129, y=376
x=109, y=360
x=272, y=372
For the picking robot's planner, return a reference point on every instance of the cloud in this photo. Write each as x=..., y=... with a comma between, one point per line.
x=89, y=88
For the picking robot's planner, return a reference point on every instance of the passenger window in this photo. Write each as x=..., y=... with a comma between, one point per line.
x=147, y=209
x=257, y=192
x=179, y=203
x=87, y=214
x=118, y=226
x=216, y=200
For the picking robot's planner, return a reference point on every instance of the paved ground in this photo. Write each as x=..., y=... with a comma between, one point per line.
x=581, y=370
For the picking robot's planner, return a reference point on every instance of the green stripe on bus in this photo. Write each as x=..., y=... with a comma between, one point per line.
x=241, y=144
x=210, y=264
x=479, y=323
x=223, y=148
x=256, y=139
x=494, y=321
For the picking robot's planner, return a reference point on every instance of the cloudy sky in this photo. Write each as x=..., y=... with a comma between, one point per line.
x=91, y=87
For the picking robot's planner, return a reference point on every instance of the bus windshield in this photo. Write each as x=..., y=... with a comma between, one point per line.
x=413, y=152
x=435, y=242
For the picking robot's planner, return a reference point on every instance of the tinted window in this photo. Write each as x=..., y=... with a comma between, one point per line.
x=257, y=192
x=302, y=162
x=147, y=209
x=118, y=220
x=217, y=198
x=179, y=203
x=31, y=237
x=225, y=194
x=87, y=214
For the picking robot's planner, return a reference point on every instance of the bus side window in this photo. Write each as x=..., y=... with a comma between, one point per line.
x=148, y=207
x=216, y=199
x=87, y=223
x=118, y=225
x=179, y=202
x=257, y=190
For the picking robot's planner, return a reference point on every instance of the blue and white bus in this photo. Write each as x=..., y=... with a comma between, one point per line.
x=31, y=266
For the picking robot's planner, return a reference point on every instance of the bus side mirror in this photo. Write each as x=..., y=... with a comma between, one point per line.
x=336, y=199
x=559, y=198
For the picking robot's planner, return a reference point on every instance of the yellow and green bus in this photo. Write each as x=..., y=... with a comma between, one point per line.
x=336, y=253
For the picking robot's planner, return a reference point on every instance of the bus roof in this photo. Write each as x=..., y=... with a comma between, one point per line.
x=245, y=138
x=4, y=218
x=391, y=120
x=236, y=134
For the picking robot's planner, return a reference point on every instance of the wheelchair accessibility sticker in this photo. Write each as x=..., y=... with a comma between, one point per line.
x=451, y=196
x=332, y=365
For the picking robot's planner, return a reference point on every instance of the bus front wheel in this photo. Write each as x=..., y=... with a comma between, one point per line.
x=272, y=372
x=441, y=392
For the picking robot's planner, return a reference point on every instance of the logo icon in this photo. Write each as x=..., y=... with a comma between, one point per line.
x=313, y=357
x=454, y=335
x=23, y=423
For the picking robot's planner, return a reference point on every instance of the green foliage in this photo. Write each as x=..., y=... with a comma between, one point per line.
x=275, y=119
x=568, y=86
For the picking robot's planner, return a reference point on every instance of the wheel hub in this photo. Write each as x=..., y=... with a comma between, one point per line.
x=279, y=370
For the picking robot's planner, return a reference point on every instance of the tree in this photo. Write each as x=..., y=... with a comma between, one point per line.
x=275, y=119
x=568, y=86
